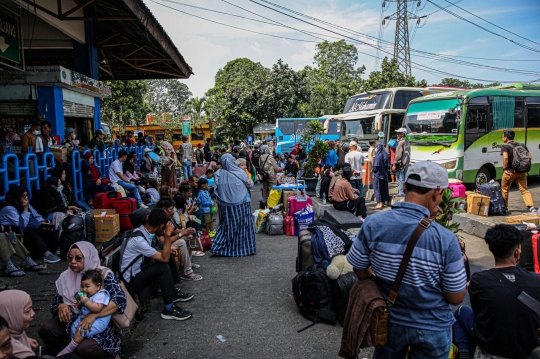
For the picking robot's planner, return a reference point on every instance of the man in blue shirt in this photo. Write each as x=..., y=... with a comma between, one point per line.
x=332, y=157
x=421, y=318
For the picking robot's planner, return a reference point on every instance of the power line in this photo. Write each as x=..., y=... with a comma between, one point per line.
x=446, y=7
x=489, y=22
x=483, y=28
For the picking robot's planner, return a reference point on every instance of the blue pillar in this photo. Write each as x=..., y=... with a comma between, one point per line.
x=86, y=55
x=51, y=104
x=97, y=113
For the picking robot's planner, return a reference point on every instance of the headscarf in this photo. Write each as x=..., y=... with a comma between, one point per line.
x=239, y=161
x=127, y=165
x=12, y=303
x=167, y=146
x=69, y=281
x=57, y=172
x=265, y=149
x=381, y=157
x=94, y=171
x=52, y=181
x=13, y=197
x=87, y=155
x=231, y=182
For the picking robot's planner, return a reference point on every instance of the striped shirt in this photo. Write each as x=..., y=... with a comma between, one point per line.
x=436, y=265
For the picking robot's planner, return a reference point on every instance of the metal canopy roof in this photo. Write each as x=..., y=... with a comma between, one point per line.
x=130, y=41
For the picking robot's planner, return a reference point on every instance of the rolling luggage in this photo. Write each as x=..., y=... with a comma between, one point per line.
x=458, y=189
x=340, y=294
x=536, y=254
x=304, y=258
x=75, y=228
x=200, y=170
x=105, y=200
x=492, y=189
x=124, y=207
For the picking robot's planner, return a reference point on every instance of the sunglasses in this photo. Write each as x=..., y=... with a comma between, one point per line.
x=78, y=259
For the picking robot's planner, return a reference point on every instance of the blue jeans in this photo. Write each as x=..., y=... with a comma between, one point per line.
x=357, y=183
x=187, y=168
x=424, y=344
x=400, y=174
x=133, y=189
x=463, y=329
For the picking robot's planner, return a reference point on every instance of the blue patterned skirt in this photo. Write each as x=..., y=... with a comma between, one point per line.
x=235, y=236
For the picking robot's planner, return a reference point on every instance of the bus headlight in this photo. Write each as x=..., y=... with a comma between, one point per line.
x=449, y=165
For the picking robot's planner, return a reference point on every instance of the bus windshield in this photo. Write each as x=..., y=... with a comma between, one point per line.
x=358, y=130
x=368, y=101
x=431, y=121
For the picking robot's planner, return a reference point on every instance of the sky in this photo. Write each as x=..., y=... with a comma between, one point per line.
x=207, y=46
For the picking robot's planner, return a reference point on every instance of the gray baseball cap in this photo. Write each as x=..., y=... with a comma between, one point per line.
x=402, y=129
x=432, y=175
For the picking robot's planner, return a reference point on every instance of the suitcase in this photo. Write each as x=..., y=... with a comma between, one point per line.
x=304, y=258
x=124, y=207
x=295, y=205
x=458, y=190
x=89, y=226
x=527, y=259
x=536, y=255
x=492, y=189
x=200, y=170
x=105, y=200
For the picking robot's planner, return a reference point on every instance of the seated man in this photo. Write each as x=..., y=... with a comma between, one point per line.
x=500, y=323
x=177, y=240
x=291, y=168
x=142, y=264
x=116, y=175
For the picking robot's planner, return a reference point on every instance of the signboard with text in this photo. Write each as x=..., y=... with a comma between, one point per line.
x=186, y=128
x=9, y=38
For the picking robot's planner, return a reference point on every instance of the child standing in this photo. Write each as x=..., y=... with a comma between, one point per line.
x=91, y=299
x=206, y=203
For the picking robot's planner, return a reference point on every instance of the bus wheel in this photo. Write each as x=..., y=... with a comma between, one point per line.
x=482, y=176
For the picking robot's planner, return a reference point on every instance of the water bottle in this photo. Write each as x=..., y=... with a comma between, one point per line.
x=324, y=198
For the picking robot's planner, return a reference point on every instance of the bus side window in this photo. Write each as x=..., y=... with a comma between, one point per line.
x=533, y=116
x=402, y=99
x=476, y=123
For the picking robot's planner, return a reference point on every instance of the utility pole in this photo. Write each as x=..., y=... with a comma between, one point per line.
x=401, y=42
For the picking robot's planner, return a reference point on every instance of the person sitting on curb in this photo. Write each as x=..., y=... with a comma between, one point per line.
x=499, y=323
x=143, y=265
x=116, y=176
x=345, y=197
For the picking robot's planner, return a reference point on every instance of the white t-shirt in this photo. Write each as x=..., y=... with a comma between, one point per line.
x=135, y=247
x=116, y=167
x=356, y=160
x=154, y=195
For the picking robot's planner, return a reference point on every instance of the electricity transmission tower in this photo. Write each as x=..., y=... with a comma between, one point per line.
x=401, y=42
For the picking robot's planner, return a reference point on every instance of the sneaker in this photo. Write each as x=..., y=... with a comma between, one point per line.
x=175, y=314
x=50, y=258
x=143, y=206
x=192, y=277
x=184, y=297
x=532, y=209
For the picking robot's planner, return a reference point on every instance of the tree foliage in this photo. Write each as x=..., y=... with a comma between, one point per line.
x=334, y=78
x=167, y=96
x=390, y=76
x=127, y=104
x=453, y=82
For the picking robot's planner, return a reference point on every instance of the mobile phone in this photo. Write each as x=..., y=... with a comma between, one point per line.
x=78, y=296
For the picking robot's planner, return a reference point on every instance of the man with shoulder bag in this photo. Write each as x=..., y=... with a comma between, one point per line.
x=418, y=259
x=142, y=264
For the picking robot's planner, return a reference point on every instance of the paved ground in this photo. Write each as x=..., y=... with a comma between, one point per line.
x=246, y=300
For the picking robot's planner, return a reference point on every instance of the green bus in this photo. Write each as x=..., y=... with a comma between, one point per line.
x=462, y=130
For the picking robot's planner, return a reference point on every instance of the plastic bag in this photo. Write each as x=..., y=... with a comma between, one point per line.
x=274, y=198
x=303, y=218
x=260, y=220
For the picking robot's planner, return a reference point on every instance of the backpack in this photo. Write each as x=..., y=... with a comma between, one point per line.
x=110, y=251
x=340, y=294
x=274, y=224
x=521, y=162
x=262, y=173
x=312, y=294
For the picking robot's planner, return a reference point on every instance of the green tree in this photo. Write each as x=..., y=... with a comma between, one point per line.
x=195, y=107
x=127, y=104
x=167, y=96
x=390, y=76
x=334, y=78
x=453, y=82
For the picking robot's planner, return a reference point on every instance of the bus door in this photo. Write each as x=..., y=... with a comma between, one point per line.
x=476, y=141
x=532, y=105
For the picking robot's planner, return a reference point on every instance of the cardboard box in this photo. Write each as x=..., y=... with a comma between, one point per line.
x=478, y=204
x=107, y=224
x=286, y=195
x=519, y=219
x=60, y=153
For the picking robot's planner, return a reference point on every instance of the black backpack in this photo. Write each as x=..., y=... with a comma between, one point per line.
x=110, y=251
x=340, y=294
x=312, y=294
x=521, y=162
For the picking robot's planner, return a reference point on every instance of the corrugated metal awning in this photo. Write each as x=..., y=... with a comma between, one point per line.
x=18, y=108
x=72, y=109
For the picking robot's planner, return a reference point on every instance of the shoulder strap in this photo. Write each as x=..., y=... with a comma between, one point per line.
x=422, y=226
x=521, y=295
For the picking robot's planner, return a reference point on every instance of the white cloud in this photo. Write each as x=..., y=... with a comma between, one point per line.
x=257, y=48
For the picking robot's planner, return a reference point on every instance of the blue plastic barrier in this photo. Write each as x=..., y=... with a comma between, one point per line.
x=9, y=156
x=47, y=155
x=76, y=164
x=31, y=160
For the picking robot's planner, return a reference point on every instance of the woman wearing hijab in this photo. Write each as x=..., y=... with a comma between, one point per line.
x=128, y=168
x=381, y=163
x=55, y=332
x=17, y=212
x=168, y=165
x=16, y=309
x=269, y=166
x=67, y=191
x=235, y=236
x=92, y=178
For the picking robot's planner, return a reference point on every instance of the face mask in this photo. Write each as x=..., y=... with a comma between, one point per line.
x=60, y=188
x=151, y=236
x=37, y=133
x=74, y=136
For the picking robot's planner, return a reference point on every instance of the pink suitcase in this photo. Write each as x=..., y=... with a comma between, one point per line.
x=295, y=205
x=458, y=190
x=200, y=170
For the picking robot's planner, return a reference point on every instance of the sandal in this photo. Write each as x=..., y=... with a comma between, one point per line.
x=16, y=273
x=195, y=266
x=35, y=268
x=192, y=276
x=197, y=254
